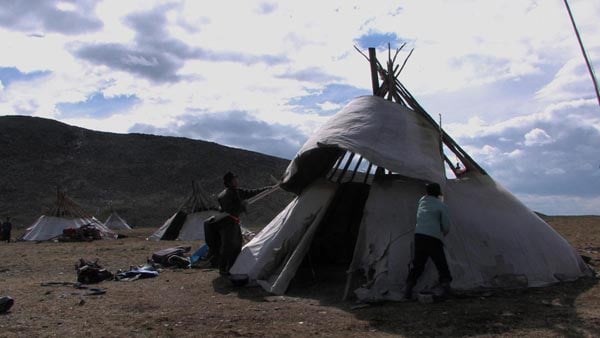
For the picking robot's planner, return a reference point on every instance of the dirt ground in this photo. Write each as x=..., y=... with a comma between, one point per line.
x=191, y=302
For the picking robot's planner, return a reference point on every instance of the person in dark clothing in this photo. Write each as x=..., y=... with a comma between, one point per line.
x=433, y=224
x=6, y=230
x=223, y=234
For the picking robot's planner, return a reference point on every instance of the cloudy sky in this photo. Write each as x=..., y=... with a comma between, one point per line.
x=507, y=77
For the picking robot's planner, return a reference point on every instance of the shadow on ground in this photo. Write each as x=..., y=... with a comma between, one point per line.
x=558, y=310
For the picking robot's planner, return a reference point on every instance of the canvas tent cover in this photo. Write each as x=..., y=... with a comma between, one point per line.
x=49, y=227
x=115, y=222
x=495, y=241
x=187, y=224
x=192, y=228
x=65, y=214
x=383, y=132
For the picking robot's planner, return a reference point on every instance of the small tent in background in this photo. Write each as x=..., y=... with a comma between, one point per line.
x=115, y=222
x=360, y=225
x=65, y=214
x=187, y=224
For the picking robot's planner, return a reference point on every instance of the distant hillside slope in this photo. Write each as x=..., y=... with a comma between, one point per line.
x=145, y=177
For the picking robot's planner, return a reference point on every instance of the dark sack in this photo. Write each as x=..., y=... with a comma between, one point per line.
x=162, y=256
x=91, y=272
x=6, y=303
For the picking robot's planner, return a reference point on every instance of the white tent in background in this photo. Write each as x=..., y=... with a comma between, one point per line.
x=64, y=215
x=187, y=224
x=115, y=222
x=364, y=224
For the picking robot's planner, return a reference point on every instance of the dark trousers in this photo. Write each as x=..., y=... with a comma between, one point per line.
x=426, y=247
x=6, y=235
x=224, y=239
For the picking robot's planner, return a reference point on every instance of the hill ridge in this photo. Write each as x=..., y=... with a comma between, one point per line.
x=145, y=177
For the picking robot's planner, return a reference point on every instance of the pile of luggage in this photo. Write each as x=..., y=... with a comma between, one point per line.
x=86, y=233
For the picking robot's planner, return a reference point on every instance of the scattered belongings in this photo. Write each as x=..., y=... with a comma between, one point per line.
x=91, y=272
x=6, y=303
x=94, y=292
x=179, y=261
x=90, y=291
x=147, y=270
x=200, y=254
x=174, y=257
x=85, y=233
x=76, y=285
x=200, y=258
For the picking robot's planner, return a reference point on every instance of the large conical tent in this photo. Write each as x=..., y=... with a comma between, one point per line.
x=358, y=181
x=187, y=224
x=65, y=214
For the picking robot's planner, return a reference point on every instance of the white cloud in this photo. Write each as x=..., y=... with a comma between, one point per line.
x=329, y=105
x=555, y=171
x=537, y=136
x=515, y=154
x=571, y=81
x=489, y=150
x=66, y=6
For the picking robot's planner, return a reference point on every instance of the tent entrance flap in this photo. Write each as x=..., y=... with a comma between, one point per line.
x=173, y=230
x=332, y=247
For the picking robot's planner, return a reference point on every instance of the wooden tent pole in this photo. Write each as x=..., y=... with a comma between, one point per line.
x=336, y=166
x=350, y=158
x=402, y=96
x=373, y=62
x=448, y=141
x=368, y=172
x=585, y=56
x=57, y=206
x=356, y=168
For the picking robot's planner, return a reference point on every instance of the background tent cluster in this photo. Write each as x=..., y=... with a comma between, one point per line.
x=358, y=180
x=187, y=223
x=115, y=222
x=64, y=214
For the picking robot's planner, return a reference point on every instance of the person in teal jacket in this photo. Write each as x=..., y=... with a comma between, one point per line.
x=433, y=224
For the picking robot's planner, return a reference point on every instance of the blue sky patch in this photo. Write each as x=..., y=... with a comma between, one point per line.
x=97, y=106
x=267, y=8
x=9, y=75
x=378, y=40
x=334, y=93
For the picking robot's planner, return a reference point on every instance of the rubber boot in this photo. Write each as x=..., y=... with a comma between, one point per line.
x=408, y=291
x=445, y=289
